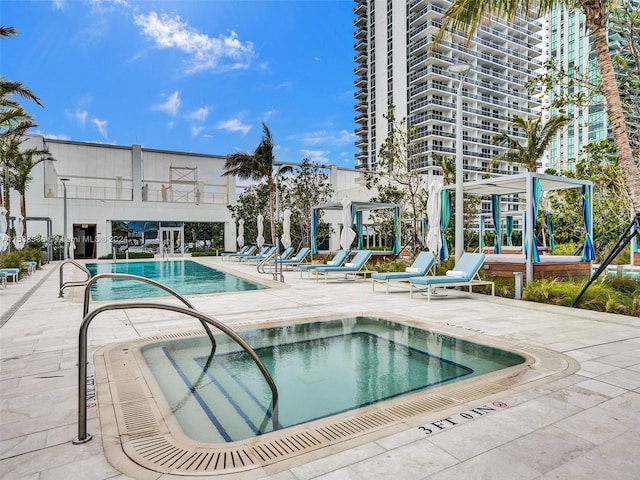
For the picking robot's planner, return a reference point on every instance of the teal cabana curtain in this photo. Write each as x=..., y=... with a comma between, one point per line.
x=537, y=195
x=445, y=217
x=525, y=236
x=314, y=230
x=358, y=218
x=495, y=214
x=551, y=228
x=396, y=230
x=509, y=229
x=481, y=234
x=634, y=240
x=588, y=250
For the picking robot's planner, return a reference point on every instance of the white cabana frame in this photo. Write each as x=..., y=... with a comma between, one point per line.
x=522, y=183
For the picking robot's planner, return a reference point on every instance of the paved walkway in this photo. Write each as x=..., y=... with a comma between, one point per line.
x=582, y=426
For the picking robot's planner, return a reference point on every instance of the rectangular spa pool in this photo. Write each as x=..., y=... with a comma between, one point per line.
x=184, y=276
x=320, y=369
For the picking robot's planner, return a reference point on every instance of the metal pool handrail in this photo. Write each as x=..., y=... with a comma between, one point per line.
x=127, y=276
x=276, y=273
x=62, y=285
x=83, y=436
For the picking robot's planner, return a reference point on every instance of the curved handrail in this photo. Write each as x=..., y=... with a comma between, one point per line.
x=83, y=436
x=276, y=273
x=62, y=285
x=264, y=261
x=127, y=276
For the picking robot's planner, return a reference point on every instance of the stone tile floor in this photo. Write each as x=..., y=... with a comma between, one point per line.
x=582, y=426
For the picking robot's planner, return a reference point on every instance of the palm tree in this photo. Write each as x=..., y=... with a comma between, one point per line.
x=448, y=166
x=258, y=167
x=13, y=125
x=21, y=165
x=467, y=16
x=538, y=138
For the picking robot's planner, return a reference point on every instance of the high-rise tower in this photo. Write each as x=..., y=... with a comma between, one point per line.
x=395, y=65
x=572, y=46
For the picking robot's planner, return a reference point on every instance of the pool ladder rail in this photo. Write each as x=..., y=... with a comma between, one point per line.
x=62, y=284
x=272, y=264
x=188, y=309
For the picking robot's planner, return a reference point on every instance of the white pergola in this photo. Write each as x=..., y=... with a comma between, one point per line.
x=523, y=183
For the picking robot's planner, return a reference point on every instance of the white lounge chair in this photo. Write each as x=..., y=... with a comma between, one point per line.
x=251, y=250
x=242, y=251
x=423, y=263
x=352, y=268
x=294, y=261
x=338, y=259
x=463, y=274
x=264, y=254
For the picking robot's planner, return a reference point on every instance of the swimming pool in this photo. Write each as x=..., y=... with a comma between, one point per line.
x=320, y=369
x=183, y=276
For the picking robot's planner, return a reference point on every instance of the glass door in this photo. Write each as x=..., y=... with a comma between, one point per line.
x=172, y=244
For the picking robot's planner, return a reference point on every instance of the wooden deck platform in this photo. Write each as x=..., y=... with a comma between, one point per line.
x=550, y=266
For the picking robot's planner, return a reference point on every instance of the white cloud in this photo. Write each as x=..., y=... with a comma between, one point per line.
x=60, y=4
x=195, y=131
x=107, y=5
x=79, y=116
x=53, y=136
x=205, y=53
x=318, y=156
x=323, y=137
x=171, y=105
x=233, y=125
x=101, y=125
x=199, y=115
x=269, y=113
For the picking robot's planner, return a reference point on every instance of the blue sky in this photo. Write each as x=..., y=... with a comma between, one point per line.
x=193, y=76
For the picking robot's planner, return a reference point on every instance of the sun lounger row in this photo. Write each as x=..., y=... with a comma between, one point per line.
x=416, y=276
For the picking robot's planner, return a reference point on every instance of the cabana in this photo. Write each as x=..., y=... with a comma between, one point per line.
x=531, y=263
x=357, y=208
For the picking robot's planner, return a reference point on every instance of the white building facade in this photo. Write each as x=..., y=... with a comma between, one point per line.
x=136, y=198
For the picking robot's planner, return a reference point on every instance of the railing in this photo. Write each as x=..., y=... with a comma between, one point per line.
x=62, y=285
x=126, y=276
x=83, y=435
x=276, y=272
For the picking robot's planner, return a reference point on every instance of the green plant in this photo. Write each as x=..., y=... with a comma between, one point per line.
x=397, y=265
x=10, y=259
x=616, y=295
x=204, y=253
x=123, y=256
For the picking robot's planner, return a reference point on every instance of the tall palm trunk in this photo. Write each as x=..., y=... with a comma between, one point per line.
x=597, y=24
x=23, y=213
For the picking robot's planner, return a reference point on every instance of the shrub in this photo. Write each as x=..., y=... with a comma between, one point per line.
x=397, y=265
x=204, y=253
x=608, y=295
x=123, y=256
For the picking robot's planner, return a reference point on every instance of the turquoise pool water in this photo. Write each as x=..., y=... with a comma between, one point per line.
x=320, y=369
x=184, y=276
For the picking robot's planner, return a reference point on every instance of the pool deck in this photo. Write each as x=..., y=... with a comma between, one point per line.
x=584, y=425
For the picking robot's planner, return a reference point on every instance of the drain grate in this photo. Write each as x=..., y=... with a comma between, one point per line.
x=418, y=407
